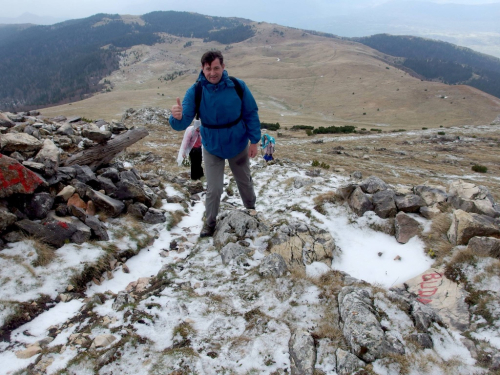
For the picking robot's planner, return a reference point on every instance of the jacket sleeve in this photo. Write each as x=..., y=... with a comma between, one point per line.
x=188, y=111
x=250, y=114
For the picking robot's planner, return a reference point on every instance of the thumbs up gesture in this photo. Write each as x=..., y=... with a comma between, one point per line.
x=177, y=110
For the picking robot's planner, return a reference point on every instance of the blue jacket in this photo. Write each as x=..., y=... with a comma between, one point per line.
x=220, y=104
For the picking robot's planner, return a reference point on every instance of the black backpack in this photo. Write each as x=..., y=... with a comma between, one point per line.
x=198, y=92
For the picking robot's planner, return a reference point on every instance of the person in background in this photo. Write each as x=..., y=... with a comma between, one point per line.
x=191, y=145
x=267, y=143
x=230, y=130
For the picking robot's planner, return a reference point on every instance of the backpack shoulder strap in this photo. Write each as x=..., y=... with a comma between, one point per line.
x=237, y=87
x=198, y=91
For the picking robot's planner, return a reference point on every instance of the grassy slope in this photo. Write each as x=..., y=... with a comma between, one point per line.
x=313, y=84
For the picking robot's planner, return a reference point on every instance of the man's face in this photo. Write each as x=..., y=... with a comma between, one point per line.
x=213, y=72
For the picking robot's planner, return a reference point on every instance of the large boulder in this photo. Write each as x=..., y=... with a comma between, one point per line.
x=348, y=363
x=94, y=133
x=273, y=265
x=362, y=329
x=21, y=142
x=15, y=178
x=233, y=251
x=39, y=206
x=466, y=225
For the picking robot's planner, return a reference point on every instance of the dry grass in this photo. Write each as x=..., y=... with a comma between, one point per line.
x=436, y=240
x=45, y=252
x=322, y=199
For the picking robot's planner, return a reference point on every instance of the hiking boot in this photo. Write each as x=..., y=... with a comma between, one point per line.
x=207, y=230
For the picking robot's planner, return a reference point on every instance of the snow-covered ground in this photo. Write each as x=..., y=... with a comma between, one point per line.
x=205, y=301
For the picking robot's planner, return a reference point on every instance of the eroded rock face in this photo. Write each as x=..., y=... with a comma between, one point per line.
x=347, y=363
x=409, y=203
x=431, y=195
x=301, y=244
x=384, y=204
x=372, y=185
x=362, y=329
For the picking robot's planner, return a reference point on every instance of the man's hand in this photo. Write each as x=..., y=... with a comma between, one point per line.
x=252, y=150
x=177, y=110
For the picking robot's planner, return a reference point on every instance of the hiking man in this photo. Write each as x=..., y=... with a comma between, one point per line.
x=229, y=120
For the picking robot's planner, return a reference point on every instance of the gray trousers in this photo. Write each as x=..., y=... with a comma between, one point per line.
x=214, y=172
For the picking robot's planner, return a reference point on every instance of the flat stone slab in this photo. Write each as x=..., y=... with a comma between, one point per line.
x=446, y=297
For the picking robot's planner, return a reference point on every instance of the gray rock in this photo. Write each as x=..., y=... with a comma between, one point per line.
x=49, y=156
x=95, y=134
x=326, y=359
x=107, y=204
x=302, y=244
x=485, y=246
x=300, y=182
x=273, y=265
x=86, y=175
x=54, y=233
x=66, y=129
x=362, y=329
x=466, y=225
x=98, y=228
x=236, y=225
x=128, y=190
x=430, y=212
x=74, y=119
x=111, y=173
x=302, y=353
x=357, y=175
x=154, y=216
x=406, y=227
x=137, y=210
x=66, y=192
x=6, y=219
x=39, y=206
x=360, y=202
x=232, y=251
x=348, y=363
x=107, y=185
x=122, y=299
x=409, y=203
x=423, y=316
x=5, y=121
x=372, y=185
x=21, y=142
x=345, y=191
x=384, y=205
x=423, y=339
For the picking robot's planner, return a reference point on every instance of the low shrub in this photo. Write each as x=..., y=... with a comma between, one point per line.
x=269, y=126
x=479, y=168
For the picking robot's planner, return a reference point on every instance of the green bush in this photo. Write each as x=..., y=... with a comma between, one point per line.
x=335, y=129
x=324, y=165
x=479, y=168
x=315, y=163
x=302, y=127
x=309, y=132
x=441, y=133
x=269, y=126
x=424, y=128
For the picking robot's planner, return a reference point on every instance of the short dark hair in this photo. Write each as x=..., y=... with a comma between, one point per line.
x=210, y=56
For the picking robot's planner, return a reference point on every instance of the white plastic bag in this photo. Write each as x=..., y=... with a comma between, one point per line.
x=190, y=137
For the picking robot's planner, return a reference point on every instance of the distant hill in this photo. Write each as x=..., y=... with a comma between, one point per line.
x=31, y=19
x=442, y=61
x=64, y=62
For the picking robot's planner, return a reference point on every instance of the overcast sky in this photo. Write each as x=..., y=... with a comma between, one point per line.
x=284, y=12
